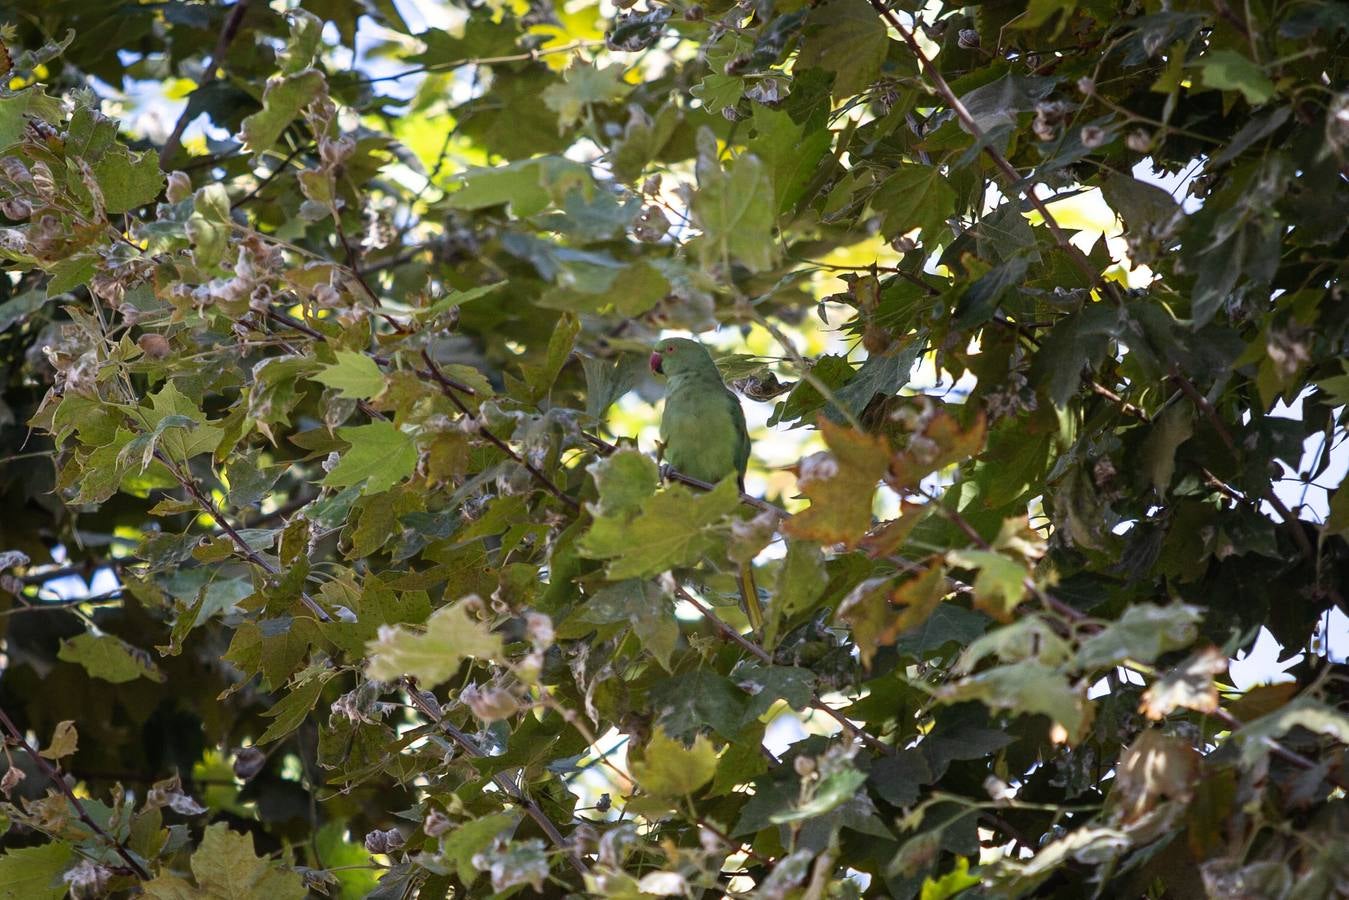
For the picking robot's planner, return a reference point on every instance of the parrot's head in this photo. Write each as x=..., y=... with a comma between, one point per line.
x=677, y=356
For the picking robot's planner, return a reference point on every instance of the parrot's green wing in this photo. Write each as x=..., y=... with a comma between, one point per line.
x=703, y=430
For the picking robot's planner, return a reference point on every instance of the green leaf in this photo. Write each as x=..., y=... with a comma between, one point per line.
x=735, y=208
x=226, y=868
x=520, y=185
x=380, y=455
x=354, y=376
x=669, y=769
x=1000, y=585
x=70, y=273
x=1078, y=340
x=34, y=873
x=915, y=196
x=952, y=883
x=1303, y=712
x=128, y=180
x=584, y=85
x=978, y=304
x=541, y=378
x=847, y=38
x=1338, y=520
x=829, y=794
x=1172, y=428
x=1142, y=634
x=790, y=150
x=948, y=624
x=282, y=100
x=291, y=710
x=645, y=607
x=1027, y=687
x=109, y=658
x=466, y=840
x=171, y=408
x=800, y=582
x=670, y=530
x=19, y=308
x=306, y=37
x=628, y=292
x=769, y=684
x=686, y=704
x=451, y=636
x=1227, y=70
x=625, y=480
x=1139, y=204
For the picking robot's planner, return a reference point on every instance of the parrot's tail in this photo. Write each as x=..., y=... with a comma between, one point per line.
x=749, y=594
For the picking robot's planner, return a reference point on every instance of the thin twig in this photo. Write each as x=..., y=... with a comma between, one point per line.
x=54, y=775
x=222, y=44
x=1279, y=750
x=267, y=179
x=1009, y=171
x=208, y=506
x=353, y=261
x=764, y=656
x=448, y=388
x=1048, y=600
x=470, y=746
x=1293, y=523
x=482, y=61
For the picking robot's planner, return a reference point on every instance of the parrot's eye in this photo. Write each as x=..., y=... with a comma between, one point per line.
x=669, y=349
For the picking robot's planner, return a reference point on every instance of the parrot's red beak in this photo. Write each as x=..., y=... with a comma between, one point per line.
x=655, y=364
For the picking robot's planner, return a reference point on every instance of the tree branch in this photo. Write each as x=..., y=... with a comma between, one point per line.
x=470, y=746
x=54, y=775
x=448, y=388
x=222, y=44
x=208, y=506
x=764, y=656
x=1009, y=171
x=1201, y=402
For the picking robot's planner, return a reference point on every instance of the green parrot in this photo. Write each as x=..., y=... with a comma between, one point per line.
x=702, y=431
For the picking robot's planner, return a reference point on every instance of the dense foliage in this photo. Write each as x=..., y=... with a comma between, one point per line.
x=342, y=405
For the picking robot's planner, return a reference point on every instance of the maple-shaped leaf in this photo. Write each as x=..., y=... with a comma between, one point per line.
x=878, y=611
x=433, y=655
x=1143, y=633
x=1000, y=585
x=840, y=485
x=1028, y=687
x=354, y=376
x=585, y=85
x=282, y=100
x=669, y=769
x=940, y=443
x=380, y=455
x=226, y=867
x=735, y=208
x=670, y=530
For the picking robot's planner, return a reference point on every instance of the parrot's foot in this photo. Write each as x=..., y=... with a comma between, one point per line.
x=666, y=471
